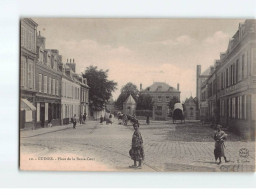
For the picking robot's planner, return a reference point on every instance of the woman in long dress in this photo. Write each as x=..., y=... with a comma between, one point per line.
x=137, y=151
x=220, y=136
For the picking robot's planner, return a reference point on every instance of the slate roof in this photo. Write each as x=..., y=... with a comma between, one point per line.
x=160, y=87
x=129, y=100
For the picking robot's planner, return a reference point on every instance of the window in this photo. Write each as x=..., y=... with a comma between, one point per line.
x=242, y=67
x=49, y=59
x=227, y=77
x=159, y=98
x=40, y=83
x=245, y=107
x=241, y=107
x=57, y=87
x=50, y=86
x=22, y=35
x=30, y=74
x=45, y=84
x=23, y=71
x=167, y=98
x=53, y=86
x=233, y=107
x=237, y=71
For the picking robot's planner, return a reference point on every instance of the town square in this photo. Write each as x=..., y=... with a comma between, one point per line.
x=137, y=95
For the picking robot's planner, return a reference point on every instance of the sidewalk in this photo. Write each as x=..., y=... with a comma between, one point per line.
x=35, y=132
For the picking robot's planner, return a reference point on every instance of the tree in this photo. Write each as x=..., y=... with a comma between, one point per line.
x=173, y=101
x=145, y=102
x=128, y=89
x=100, y=87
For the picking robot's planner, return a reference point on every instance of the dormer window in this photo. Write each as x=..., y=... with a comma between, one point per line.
x=159, y=88
x=48, y=59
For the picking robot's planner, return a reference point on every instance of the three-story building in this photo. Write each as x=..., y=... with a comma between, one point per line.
x=48, y=85
x=28, y=33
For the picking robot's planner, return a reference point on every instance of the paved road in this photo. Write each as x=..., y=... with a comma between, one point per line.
x=168, y=147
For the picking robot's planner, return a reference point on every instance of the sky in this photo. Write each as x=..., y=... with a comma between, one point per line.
x=141, y=50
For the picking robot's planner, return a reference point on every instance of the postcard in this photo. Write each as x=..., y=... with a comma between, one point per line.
x=137, y=95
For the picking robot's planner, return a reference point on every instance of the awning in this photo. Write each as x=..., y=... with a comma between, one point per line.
x=27, y=105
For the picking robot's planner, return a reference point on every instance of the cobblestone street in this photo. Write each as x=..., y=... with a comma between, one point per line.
x=167, y=146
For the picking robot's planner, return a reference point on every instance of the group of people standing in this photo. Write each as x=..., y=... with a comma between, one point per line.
x=82, y=119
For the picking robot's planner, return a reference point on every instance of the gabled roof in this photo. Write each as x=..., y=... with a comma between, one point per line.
x=191, y=99
x=160, y=86
x=129, y=100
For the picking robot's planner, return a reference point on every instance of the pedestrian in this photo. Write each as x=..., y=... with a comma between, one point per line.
x=125, y=119
x=74, y=122
x=147, y=120
x=220, y=136
x=84, y=117
x=110, y=118
x=101, y=119
x=137, y=151
x=80, y=119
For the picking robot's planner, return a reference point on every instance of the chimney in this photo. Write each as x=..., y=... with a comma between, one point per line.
x=198, y=72
x=73, y=60
x=39, y=33
x=140, y=87
x=67, y=60
x=178, y=86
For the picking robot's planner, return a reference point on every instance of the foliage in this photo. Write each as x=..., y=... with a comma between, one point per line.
x=100, y=87
x=126, y=90
x=144, y=102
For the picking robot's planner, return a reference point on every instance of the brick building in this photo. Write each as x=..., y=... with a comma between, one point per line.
x=28, y=32
x=161, y=94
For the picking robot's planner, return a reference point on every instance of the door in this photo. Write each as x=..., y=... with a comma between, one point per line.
x=42, y=114
x=22, y=119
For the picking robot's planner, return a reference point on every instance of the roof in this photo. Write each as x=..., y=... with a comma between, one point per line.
x=130, y=100
x=191, y=99
x=160, y=87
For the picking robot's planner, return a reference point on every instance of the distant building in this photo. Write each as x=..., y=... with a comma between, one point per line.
x=200, y=79
x=191, y=111
x=70, y=97
x=129, y=106
x=84, y=97
x=28, y=33
x=161, y=94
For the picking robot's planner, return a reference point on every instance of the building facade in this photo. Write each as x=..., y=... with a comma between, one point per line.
x=84, y=96
x=28, y=31
x=129, y=106
x=70, y=96
x=200, y=81
x=190, y=110
x=232, y=85
x=48, y=85
x=161, y=94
